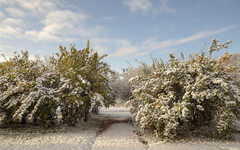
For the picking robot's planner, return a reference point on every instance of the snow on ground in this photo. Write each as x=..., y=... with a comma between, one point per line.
x=117, y=113
x=119, y=136
x=54, y=141
x=116, y=133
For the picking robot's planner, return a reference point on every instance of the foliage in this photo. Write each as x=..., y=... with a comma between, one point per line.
x=84, y=83
x=196, y=92
x=32, y=90
x=25, y=88
x=120, y=81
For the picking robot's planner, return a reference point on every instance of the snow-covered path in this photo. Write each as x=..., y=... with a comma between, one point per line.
x=120, y=132
x=119, y=136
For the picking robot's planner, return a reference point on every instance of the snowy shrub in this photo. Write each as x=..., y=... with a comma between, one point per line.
x=196, y=92
x=26, y=91
x=32, y=90
x=84, y=83
x=232, y=65
x=47, y=100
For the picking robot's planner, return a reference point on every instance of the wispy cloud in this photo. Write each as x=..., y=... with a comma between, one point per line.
x=1, y=14
x=121, y=47
x=145, y=5
x=10, y=28
x=7, y=31
x=152, y=43
x=15, y=12
x=3, y=1
x=12, y=21
x=125, y=50
x=163, y=7
x=138, y=5
x=35, y=8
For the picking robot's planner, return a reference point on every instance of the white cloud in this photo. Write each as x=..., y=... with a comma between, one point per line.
x=62, y=20
x=46, y=36
x=51, y=22
x=9, y=31
x=12, y=21
x=4, y=1
x=153, y=44
x=41, y=36
x=32, y=34
x=38, y=6
x=144, y=5
x=9, y=28
x=59, y=16
x=122, y=47
x=15, y=12
x=1, y=14
x=163, y=7
x=125, y=51
x=61, y=23
x=138, y=5
x=100, y=49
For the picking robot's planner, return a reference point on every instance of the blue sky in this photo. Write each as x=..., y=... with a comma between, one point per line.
x=127, y=30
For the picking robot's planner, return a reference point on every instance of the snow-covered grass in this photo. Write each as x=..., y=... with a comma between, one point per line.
x=119, y=134
x=58, y=141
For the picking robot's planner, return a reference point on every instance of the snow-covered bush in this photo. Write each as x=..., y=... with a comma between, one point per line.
x=196, y=92
x=232, y=65
x=85, y=83
x=26, y=91
x=32, y=90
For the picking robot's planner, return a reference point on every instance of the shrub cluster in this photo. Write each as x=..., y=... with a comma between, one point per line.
x=197, y=92
x=32, y=90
